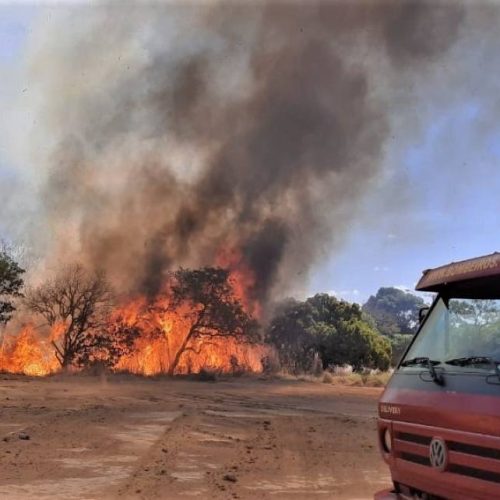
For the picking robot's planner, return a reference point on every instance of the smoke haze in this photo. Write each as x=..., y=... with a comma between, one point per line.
x=172, y=134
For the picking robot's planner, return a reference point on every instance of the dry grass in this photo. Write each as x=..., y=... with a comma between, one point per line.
x=361, y=380
x=326, y=377
x=353, y=379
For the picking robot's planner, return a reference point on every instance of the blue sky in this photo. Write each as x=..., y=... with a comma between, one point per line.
x=454, y=185
x=440, y=203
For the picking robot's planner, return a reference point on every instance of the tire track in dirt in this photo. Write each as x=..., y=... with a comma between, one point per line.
x=146, y=439
x=246, y=453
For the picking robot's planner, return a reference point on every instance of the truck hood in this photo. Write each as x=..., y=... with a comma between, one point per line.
x=467, y=402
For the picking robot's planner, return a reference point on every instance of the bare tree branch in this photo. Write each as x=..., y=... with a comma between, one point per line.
x=77, y=301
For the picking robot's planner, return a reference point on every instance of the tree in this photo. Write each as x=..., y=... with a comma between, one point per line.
x=76, y=305
x=335, y=329
x=473, y=327
x=291, y=331
x=394, y=311
x=108, y=343
x=399, y=343
x=356, y=344
x=11, y=283
x=205, y=300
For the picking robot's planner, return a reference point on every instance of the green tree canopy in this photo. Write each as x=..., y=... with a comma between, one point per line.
x=394, y=311
x=11, y=283
x=335, y=329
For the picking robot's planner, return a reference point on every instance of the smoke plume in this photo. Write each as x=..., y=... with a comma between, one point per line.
x=173, y=134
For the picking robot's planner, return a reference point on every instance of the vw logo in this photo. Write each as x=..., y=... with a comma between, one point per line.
x=438, y=454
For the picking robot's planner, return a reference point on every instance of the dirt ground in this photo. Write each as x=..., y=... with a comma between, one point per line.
x=245, y=438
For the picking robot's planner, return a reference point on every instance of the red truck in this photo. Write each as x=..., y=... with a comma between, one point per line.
x=439, y=416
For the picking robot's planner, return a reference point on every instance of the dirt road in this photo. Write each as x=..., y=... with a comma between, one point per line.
x=128, y=437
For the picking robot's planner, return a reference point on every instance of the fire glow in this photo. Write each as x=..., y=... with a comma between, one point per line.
x=158, y=347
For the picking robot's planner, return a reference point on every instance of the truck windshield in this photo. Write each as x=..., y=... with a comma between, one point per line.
x=459, y=333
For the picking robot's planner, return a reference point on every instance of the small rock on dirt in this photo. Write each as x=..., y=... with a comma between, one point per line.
x=24, y=436
x=231, y=478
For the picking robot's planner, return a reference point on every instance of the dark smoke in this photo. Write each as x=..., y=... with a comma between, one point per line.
x=256, y=127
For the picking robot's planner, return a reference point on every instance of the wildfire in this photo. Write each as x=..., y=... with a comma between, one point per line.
x=242, y=279
x=162, y=334
x=28, y=354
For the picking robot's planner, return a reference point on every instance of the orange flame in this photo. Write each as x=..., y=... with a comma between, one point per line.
x=162, y=332
x=242, y=279
x=28, y=354
x=153, y=352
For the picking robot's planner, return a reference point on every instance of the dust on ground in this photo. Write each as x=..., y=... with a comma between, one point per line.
x=242, y=438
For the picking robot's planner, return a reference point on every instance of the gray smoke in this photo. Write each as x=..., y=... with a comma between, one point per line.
x=177, y=132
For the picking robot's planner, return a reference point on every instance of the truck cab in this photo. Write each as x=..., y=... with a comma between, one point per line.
x=439, y=416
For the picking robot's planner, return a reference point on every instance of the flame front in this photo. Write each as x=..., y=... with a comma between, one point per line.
x=241, y=278
x=28, y=354
x=162, y=332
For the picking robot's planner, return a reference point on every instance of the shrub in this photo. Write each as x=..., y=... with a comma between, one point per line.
x=206, y=375
x=325, y=328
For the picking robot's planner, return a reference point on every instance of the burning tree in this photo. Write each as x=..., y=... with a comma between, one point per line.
x=75, y=305
x=206, y=302
x=196, y=321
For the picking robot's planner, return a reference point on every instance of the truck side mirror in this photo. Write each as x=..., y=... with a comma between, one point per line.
x=422, y=313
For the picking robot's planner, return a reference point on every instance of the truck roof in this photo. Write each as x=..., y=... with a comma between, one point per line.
x=473, y=278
